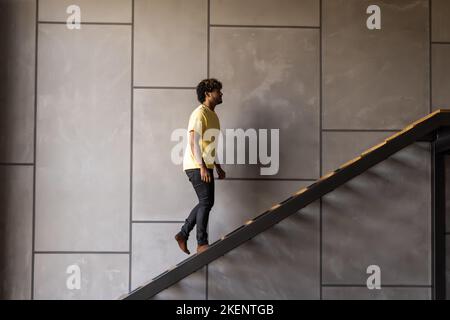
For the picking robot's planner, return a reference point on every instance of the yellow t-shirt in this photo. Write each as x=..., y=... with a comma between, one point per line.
x=205, y=122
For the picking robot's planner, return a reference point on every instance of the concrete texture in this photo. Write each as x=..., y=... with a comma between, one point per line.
x=340, y=147
x=239, y=201
x=17, y=71
x=281, y=263
x=441, y=77
x=16, y=207
x=271, y=81
x=440, y=11
x=170, y=42
x=102, y=276
x=155, y=251
x=156, y=178
x=105, y=11
x=266, y=12
x=83, y=145
x=371, y=220
x=390, y=293
x=269, y=60
x=193, y=287
x=375, y=79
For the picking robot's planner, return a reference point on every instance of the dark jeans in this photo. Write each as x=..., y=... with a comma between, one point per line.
x=200, y=214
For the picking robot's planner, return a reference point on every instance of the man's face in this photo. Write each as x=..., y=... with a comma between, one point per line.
x=216, y=96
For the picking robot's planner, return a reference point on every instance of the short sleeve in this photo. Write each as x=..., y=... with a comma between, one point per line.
x=197, y=122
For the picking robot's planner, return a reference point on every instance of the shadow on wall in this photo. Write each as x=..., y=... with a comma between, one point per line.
x=253, y=118
x=258, y=120
x=6, y=83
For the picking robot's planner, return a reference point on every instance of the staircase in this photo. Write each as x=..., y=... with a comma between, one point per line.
x=434, y=128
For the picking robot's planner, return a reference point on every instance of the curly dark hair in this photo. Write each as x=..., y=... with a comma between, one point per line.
x=207, y=85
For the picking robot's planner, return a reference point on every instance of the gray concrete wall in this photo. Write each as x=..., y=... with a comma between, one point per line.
x=86, y=119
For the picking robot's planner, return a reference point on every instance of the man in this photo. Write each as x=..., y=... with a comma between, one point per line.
x=199, y=161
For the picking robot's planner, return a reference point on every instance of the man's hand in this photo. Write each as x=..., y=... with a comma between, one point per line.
x=204, y=174
x=220, y=172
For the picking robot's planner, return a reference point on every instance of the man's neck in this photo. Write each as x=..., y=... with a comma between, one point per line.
x=210, y=107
